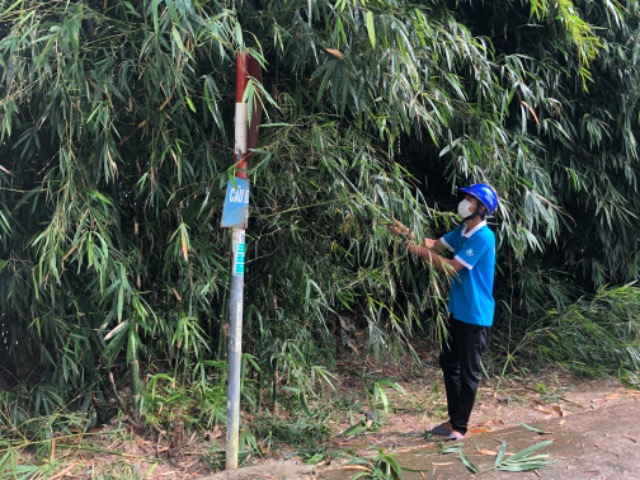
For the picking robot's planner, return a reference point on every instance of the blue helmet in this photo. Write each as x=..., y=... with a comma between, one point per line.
x=486, y=194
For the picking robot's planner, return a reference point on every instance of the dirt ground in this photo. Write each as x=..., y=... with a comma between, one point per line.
x=502, y=403
x=580, y=420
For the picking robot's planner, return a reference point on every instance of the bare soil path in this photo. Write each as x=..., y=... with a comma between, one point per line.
x=595, y=444
x=593, y=427
x=593, y=424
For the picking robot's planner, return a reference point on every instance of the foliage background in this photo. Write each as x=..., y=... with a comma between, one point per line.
x=116, y=131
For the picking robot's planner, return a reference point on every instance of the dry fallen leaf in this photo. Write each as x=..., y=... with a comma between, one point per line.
x=479, y=430
x=538, y=408
x=482, y=451
x=335, y=53
x=441, y=464
x=354, y=467
x=486, y=424
x=64, y=472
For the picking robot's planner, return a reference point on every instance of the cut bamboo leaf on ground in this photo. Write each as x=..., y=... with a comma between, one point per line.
x=468, y=463
x=451, y=449
x=534, y=429
x=521, y=461
x=355, y=430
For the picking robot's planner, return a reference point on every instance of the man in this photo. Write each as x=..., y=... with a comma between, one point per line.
x=471, y=303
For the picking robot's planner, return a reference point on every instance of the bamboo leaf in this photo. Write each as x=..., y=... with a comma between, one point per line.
x=184, y=239
x=154, y=12
x=527, y=451
x=533, y=429
x=192, y=107
x=371, y=29
x=468, y=463
x=501, y=454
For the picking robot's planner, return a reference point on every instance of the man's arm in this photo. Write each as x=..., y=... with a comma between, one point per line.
x=441, y=263
x=398, y=228
x=436, y=246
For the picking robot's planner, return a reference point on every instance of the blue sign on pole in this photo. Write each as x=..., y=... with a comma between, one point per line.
x=235, y=211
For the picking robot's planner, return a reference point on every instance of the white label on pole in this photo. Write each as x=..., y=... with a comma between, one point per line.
x=238, y=339
x=235, y=341
x=242, y=128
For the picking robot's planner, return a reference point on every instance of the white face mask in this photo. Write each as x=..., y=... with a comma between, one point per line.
x=464, y=209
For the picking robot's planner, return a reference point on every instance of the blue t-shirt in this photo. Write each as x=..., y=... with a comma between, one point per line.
x=471, y=298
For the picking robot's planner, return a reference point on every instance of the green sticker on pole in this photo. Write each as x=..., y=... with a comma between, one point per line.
x=238, y=267
x=235, y=211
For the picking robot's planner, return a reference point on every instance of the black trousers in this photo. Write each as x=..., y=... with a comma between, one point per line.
x=460, y=362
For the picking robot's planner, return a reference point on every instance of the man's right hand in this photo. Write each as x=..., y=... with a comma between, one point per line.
x=398, y=228
x=430, y=243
